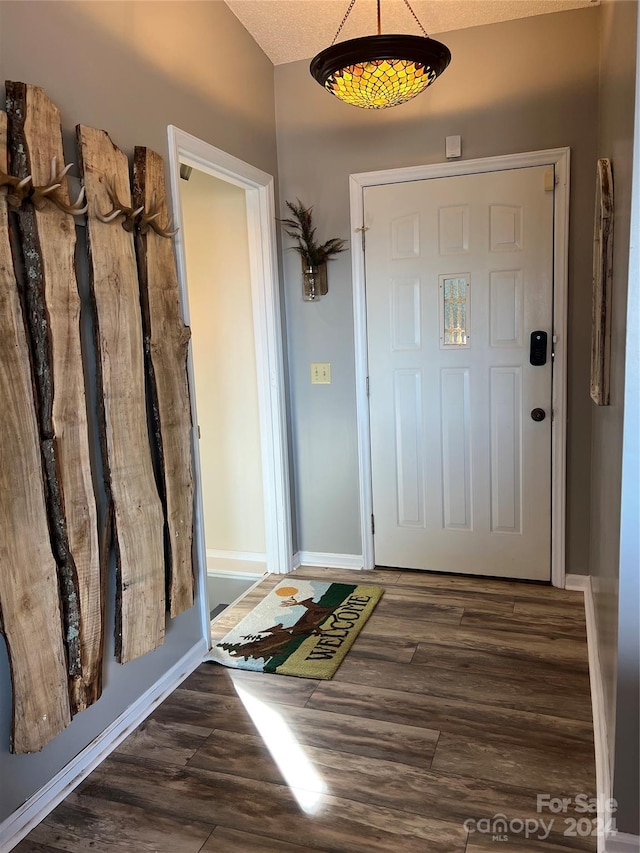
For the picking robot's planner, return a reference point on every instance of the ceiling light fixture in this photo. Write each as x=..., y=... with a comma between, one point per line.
x=375, y=72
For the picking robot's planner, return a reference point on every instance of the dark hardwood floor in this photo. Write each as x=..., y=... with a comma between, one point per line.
x=460, y=702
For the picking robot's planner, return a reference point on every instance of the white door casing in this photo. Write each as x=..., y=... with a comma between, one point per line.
x=258, y=185
x=459, y=271
x=455, y=384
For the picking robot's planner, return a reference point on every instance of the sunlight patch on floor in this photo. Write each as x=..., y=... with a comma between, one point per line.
x=305, y=783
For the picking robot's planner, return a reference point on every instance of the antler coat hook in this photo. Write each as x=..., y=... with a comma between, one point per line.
x=139, y=218
x=118, y=208
x=149, y=219
x=21, y=190
x=18, y=189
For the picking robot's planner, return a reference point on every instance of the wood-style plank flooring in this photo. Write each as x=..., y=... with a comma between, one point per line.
x=461, y=700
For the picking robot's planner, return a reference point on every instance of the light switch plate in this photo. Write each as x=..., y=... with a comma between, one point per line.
x=452, y=147
x=320, y=373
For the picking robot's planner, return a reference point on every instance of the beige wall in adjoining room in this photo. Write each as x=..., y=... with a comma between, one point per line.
x=517, y=86
x=224, y=358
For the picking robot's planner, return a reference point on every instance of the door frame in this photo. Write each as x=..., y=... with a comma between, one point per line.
x=267, y=331
x=559, y=158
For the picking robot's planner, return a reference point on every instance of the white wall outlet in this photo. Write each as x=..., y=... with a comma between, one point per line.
x=320, y=373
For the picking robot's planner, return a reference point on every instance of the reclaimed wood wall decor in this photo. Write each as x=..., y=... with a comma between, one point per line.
x=29, y=597
x=602, y=285
x=166, y=342
x=52, y=567
x=137, y=515
x=48, y=238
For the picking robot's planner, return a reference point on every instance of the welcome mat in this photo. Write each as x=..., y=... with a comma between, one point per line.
x=302, y=627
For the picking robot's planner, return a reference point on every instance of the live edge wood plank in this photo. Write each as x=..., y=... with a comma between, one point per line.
x=29, y=594
x=137, y=515
x=166, y=342
x=48, y=239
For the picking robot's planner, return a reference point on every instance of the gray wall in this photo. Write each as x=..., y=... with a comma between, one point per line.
x=612, y=588
x=518, y=86
x=134, y=66
x=131, y=68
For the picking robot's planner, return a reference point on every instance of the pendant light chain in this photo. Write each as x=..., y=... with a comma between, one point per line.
x=408, y=5
x=344, y=20
x=352, y=4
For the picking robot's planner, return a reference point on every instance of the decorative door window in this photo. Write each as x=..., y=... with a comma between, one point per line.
x=454, y=310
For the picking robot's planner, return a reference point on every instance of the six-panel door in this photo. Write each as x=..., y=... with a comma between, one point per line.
x=459, y=273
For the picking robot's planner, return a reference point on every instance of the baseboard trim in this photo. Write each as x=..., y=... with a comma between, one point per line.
x=328, y=561
x=622, y=842
x=582, y=583
x=38, y=806
x=578, y=583
x=228, y=562
x=214, y=573
x=245, y=556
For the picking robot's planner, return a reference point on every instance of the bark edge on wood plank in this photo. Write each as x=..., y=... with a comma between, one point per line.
x=48, y=240
x=30, y=616
x=166, y=346
x=137, y=517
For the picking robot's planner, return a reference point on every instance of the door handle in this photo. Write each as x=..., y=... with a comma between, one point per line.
x=538, y=414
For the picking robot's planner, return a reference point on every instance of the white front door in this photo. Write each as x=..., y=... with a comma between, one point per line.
x=459, y=275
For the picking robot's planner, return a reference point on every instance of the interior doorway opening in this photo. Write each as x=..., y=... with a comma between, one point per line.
x=225, y=212
x=214, y=214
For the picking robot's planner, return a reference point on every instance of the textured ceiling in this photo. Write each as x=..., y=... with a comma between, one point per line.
x=298, y=29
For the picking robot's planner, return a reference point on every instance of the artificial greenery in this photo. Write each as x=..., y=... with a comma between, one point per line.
x=301, y=228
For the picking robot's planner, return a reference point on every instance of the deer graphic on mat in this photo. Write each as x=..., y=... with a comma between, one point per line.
x=274, y=640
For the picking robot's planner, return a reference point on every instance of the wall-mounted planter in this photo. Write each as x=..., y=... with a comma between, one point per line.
x=314, y=282
x=314, y=256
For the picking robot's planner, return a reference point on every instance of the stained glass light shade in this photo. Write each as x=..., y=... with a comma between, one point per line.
x=380, y=71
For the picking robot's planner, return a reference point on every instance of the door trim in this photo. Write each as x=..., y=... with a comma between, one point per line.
x=560, y=159
x=265, y=297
